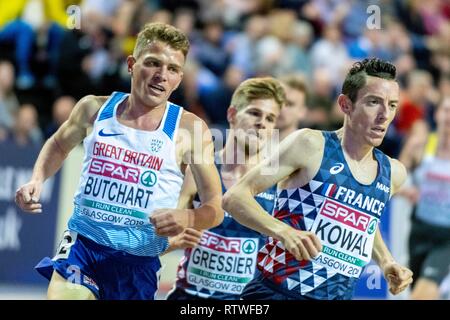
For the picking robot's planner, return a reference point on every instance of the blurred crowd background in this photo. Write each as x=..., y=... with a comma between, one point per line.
x=45, y=67
x=52, y=54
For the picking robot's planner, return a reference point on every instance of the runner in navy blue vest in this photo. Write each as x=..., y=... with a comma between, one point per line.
x=224, y=261
x=333, y=188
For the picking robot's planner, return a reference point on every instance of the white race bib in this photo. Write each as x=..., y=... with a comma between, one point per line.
x=347, y=237
x=222, y=264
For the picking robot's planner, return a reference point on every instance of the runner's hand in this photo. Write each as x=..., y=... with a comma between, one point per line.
x=170, y=222
x=398, y=277
x=189, y=238
x=27, y=197
x=303, y=245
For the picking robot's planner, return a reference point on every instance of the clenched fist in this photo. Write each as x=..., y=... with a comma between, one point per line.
x=303, y=245
x=398, y=277
x=27, y=197
x=170, y=222
x=189, y=238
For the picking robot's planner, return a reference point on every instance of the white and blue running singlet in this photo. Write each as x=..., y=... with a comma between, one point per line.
x=225, y=260
x=127, y=173
x=343, y=213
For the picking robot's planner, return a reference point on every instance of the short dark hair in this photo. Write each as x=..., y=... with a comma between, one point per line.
x=356, y=78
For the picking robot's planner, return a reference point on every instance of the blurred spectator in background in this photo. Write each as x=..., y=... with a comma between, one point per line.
x=61, y=110
x=417, y=101
x=102, y=11
x=231, y=41
x=20, y=34
x=234, y=11
x=427, y=156
x=87, y=49
x=210, y=51
x=444, y=85
x=245, y=45
x=397, y=39
x=25, y=131
x=372, y=43
x=296, y=57
x=319, y=101
x=416, y=106
x=294, y=113
x=186, y=20
x=271, y=48
x=75, y=46
x=35, y=27
x=330, y=54
x=8, y=99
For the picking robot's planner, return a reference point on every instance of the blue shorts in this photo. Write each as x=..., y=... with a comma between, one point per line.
x=110, y=274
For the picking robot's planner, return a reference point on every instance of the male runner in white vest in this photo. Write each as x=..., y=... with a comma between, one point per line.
x=137, y=147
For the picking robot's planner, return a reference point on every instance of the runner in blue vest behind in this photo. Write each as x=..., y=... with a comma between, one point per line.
x=137, y=147
x=224, y=261
x=333, y=188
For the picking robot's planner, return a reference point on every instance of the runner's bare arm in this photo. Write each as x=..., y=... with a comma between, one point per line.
x=398, y=277
x=206, y=177
x=398, y=175
x=189, y=238
x=240, y=203
x=381, y=253
x=188, y=191
x=197, y=152
x=56, y=149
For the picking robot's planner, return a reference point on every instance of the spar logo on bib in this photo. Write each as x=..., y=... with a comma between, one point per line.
x=372, y=226
x=348, y=216
x=221, y=244
x=114, y=170
x=148, y=178
x=249, y=246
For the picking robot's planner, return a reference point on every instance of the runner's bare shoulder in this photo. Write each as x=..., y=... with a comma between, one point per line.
x=308, y=143
x=189, y=121
x=398, y=175
x=86, y=110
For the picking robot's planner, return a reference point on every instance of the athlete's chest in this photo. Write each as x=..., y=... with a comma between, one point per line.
x=364, y=173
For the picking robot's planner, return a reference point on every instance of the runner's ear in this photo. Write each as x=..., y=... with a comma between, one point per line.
x=345, y=103
x=231, y=114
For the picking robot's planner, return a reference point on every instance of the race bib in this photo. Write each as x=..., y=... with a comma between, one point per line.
x=222, y=264
x=110, y=213
x=347, y=237
x=66, y=243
